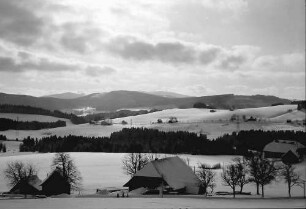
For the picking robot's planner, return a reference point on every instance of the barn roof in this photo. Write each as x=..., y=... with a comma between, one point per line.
x=54, y=172
x=34, y=182
x=173, y=170
x=282, y=146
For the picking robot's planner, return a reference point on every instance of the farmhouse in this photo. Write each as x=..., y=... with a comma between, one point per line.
x=27, y=187
x=171, y=173
x=55, y=184
x=283, y=149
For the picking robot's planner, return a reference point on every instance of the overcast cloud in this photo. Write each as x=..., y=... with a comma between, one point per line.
x=193, y=47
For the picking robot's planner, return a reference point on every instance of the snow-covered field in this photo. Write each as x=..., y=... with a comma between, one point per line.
x=199, y=115
x=165, y=203
x=101, y=170
x=194, y=120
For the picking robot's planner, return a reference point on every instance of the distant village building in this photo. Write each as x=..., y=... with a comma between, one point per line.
x=172, y=120
x=285, y=149
x=55, y=184
x=31, y=187
x=107, y=122
x=171, y=173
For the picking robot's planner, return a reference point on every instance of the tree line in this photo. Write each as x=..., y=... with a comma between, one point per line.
x=8, y=124
x=3, y=137
x=7, y=108
x=22, y=109
x=244, y=141
x=143, y=140
x=130, y=140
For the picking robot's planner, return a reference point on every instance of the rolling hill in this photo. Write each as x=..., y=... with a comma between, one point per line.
x=66, y=95
x=115, y=100
x=168, y=94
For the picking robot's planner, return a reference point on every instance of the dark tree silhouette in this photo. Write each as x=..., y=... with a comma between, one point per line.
x=290, y=176
x=267, y=172
x=253, y=165
x=230, y=177
x=243, y=171
x=64, y=163
x=207, y=177
x=16, y=171
x=133, y=162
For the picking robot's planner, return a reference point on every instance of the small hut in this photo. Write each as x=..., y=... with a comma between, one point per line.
x=31, y=187
x=55, y=184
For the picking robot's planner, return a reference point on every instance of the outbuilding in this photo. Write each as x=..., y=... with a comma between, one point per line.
x=280, y=148
x=30, y=187
x=55, y=184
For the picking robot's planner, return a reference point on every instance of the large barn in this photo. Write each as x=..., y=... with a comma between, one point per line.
x=281, y=148
x=171, y=172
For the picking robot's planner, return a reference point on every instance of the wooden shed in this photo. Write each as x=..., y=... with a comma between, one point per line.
x=55, y=184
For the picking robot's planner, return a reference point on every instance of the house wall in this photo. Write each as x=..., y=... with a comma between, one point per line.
x=273, y=154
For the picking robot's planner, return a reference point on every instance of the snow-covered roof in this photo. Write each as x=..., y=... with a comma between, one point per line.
x=173, y=170
x=35, y=182
x=283, y=146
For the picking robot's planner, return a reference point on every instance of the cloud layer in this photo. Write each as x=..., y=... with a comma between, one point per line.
x=191, y=47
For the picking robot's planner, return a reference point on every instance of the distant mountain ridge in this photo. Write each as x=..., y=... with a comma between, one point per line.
x=167, y=94
x=66, y=95
x=115, y=100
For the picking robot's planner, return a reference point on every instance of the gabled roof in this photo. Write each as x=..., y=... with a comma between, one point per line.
x=282, y=146
x=173, y=170
x=290, y=157
x=33, y=182
x=54, y=172
x=148, y=170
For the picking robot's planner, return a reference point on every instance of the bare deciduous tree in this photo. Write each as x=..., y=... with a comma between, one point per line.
x=207, y=177
x=133, y=162
x=18, y=171
x=230, y=177
x=291, y=177
x=267, y=172
x=65, y=164
x=252, y=162
x=243, y=171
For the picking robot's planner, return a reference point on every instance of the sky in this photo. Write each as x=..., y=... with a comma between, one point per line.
x=191, y=47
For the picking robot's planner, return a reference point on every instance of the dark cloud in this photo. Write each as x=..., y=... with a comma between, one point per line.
x=24, y=55
x=209, y=55
x=74, y=43
x=232, y=62
x=131, y=48
x=175, y=53
x=18, y=24
x=98, y=71
x=80, y=37
x=9, y=64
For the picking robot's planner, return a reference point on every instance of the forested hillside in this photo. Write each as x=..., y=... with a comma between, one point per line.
x=149, y=140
